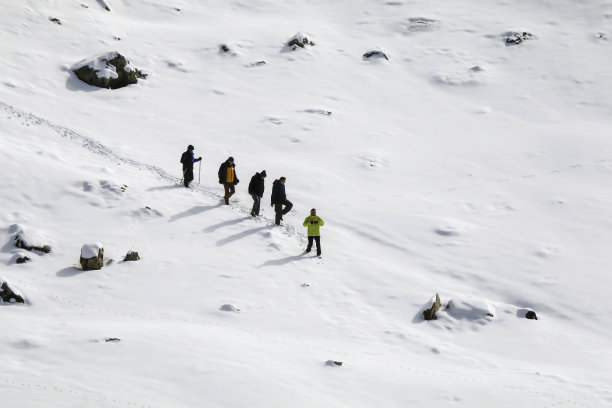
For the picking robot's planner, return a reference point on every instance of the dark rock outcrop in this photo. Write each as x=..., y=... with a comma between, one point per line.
x=531, y=315
x=8, y=295
x=430, y=314
x=55, y=20
x=22, y=259
x=111, y=70
x=131, y=256
x=375, y=54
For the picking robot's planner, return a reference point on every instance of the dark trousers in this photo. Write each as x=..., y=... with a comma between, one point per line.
x=317, y=240
x=229, y=191
x=187, y=176
x=278, y=209
x=256, y=204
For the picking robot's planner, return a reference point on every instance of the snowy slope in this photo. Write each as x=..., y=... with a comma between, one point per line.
x=460, y=166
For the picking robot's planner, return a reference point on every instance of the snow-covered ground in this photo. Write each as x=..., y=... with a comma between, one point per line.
x=459, y=166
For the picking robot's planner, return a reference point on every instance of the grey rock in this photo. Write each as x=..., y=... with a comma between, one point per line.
x=375, y=54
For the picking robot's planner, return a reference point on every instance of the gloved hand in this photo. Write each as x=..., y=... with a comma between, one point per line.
x=200, y=158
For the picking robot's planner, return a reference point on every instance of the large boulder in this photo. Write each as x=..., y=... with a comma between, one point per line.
x=111, y=70
x=92, y=257
x=9, y=295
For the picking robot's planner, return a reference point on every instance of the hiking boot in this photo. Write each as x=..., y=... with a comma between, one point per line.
x=226, y=200
x=252, y=214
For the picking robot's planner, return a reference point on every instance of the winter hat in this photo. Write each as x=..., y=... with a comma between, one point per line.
x=282, y=179
x=263, y=173
x=190, y=147
x=230, y=159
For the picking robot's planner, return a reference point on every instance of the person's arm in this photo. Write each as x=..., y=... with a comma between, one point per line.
x=306, y=221
x=321, y=223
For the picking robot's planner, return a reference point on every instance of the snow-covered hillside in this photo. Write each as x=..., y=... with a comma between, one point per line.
x=461, y=165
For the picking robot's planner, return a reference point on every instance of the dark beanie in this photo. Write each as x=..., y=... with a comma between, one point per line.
x=263, y=173
x=230, y=159
x=190, y=147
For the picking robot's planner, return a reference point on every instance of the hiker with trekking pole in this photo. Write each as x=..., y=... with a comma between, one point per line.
x=187, y=159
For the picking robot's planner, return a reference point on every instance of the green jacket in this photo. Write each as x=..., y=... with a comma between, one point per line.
x=313, y=222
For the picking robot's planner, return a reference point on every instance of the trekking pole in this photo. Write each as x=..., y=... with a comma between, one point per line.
x=183, y=176
x=199, y=172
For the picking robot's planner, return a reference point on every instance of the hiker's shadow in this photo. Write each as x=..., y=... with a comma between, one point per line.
x=240, y=235
x=198, y=209
x=162, y=188
x=214, y=227
x=283, y=261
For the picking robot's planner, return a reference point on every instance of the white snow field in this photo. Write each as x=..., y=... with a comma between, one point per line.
x=459, y=165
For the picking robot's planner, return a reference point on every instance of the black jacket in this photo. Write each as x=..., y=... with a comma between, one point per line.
x=278, y=193
x=223, y=172
x=187, y=158
x=256, y=186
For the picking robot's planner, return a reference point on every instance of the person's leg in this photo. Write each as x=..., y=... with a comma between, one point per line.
x=232, y=190
x=309, y=247
x=188, y=176
x=288, y=206
x=318, y=241
x=278, y=209
x=226, y=196
x=255, y=209
x=256, y=204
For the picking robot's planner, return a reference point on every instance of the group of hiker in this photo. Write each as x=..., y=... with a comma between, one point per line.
x=229, y=179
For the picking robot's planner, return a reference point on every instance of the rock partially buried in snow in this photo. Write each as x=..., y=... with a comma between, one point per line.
x=31, y=241
x=110, y=70
x=513, y=38
x=299, y=40
x=375, y=54
x=131, y=256
x=430, y=314
x=229, y=308
x=22, y=259
x=470, y=309
x=333, y=363
x=8, y=294
x=92, y=257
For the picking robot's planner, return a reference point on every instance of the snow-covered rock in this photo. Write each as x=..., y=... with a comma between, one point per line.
x=92, y=256
x=299, y=40
x=109, y=70
x=32, y=240
x=9, y=294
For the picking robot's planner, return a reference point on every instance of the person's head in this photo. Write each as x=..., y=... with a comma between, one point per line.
x=230, y=159
x=313, y=211
x=190, y=148
x=263, y=174
x=282, y=180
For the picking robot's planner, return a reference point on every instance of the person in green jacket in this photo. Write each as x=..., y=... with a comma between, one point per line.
x=313, y=222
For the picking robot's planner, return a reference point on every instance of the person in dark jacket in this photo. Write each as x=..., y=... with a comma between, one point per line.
x=279, y=198
x=187, y=158
x=227, y=177
x=256, y=190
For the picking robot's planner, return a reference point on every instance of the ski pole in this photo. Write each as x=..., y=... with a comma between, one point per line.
x=199, y=172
